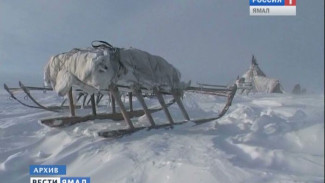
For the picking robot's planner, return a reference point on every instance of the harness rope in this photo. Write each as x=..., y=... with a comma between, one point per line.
x=115, y=55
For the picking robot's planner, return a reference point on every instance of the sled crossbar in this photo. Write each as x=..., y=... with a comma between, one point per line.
x=205, y=90
x=211, y=85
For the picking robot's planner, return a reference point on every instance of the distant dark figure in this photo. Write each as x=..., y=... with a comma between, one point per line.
x=297, y=90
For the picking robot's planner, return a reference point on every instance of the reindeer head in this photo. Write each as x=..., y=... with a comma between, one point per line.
x=104, y=70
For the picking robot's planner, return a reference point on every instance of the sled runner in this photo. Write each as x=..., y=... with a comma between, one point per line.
x=26, y=90
x=104, y=70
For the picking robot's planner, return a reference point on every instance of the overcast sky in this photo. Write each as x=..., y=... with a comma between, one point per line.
x=208, y=41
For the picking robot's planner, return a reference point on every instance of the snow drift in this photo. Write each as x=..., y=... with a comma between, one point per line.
x=263, y=138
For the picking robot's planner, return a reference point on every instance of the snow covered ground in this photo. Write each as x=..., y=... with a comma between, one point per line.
x=262, y=138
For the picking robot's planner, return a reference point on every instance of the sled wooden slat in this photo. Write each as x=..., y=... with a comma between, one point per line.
x=163, y=105
x=144, y=106
x=181, y=107
x=116, y=95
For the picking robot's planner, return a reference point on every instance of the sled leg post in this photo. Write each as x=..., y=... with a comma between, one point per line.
x=163, y=105
x=71, y=105
x=113, y=103
x=181, y=106
x=138, y=94
x=130, y=101
x=97, y=98
x=93, y=104
x=116, y=95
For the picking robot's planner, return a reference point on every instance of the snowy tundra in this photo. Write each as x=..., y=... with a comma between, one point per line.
x=262, y=138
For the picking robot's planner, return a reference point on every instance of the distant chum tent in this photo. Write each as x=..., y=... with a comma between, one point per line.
x=255, y=80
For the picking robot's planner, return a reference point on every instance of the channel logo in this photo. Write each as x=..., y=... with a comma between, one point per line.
x=50, y=174
x=272, y=7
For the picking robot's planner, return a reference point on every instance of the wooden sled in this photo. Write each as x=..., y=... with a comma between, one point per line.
x=124, y=114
